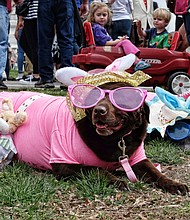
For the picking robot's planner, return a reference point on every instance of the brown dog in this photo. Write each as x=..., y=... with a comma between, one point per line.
x=103, y=128
x=51, y=139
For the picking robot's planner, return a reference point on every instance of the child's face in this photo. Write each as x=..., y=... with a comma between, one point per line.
x=159, y=23
x=101, y=16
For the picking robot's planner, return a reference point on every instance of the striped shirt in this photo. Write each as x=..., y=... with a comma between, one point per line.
x=33, y=10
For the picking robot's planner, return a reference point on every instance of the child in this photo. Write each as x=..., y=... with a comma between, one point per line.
x=158, y=37
x=99, y=16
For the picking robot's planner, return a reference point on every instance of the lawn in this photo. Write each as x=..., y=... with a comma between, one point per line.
x=28, y=194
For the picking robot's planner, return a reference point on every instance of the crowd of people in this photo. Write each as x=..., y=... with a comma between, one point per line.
x=121, y=23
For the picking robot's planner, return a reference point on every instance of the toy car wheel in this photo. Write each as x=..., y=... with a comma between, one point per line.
x=179, y=83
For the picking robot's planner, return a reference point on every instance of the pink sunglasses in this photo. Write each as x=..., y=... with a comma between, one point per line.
x=124, y=98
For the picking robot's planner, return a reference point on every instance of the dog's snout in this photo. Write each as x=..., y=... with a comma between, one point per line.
x=101, y=110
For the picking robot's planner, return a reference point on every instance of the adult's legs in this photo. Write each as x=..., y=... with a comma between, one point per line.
x=25, y=45
x=65, y=31
x=20, y=59
x=184, y=43
x=46, y=18
x=28, y=66
x=7, y=68
x=186, y=18
x=121, y=28
x=179, y=22
x=4, y=21
x=29, y=42
x=54, y=15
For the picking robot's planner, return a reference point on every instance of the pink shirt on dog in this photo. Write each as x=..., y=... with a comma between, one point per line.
x=50, y=135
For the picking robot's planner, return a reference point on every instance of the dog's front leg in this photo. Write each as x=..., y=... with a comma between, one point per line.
x=61, y=170
x=147, y=172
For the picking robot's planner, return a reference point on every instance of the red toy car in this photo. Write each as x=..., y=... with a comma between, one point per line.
x=169, y=68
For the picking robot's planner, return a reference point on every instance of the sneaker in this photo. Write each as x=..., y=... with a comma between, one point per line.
x=46, y=85
x=3, y=86
x=141, y=65
x=30, y=79
x=19, y=77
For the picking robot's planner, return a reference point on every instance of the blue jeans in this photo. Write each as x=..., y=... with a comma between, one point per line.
x=121, y=28
x=186, y=19
x=4, y=22
x=20, y=59
x=54, y=16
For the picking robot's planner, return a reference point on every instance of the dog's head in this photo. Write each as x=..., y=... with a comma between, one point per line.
x=109, y=120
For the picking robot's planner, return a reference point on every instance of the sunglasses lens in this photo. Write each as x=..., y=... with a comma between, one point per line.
x=85, y=96
x=178, y=131
x=128, y=99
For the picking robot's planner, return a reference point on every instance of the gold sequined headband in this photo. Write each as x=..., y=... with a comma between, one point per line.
x=105, y=77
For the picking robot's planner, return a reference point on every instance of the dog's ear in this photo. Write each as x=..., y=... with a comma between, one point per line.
x=146, y=111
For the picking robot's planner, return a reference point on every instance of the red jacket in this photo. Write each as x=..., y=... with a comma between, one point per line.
x=182, y=7
x=9, y=6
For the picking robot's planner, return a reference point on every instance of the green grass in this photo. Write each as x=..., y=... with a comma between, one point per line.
x=165, y=152
x=25, y=193
x=13, y=73
x=29, y=194
x=93, y=184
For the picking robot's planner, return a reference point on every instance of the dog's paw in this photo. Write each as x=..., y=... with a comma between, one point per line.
x=174, y=187
x=121, y=185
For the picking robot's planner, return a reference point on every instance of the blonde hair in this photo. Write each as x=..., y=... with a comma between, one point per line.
x=162, y=13
x=94, y=6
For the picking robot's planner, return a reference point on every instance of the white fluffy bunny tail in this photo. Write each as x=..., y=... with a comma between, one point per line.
x=69, y=75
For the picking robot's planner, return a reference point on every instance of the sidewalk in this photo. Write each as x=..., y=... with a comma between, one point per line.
x=18, y=85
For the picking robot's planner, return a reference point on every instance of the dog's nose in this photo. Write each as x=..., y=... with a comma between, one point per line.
x=101, y=110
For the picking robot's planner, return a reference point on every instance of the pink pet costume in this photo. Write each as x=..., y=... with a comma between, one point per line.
x=50, y=134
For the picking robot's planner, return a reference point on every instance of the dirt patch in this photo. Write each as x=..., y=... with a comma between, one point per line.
x=143, y=203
